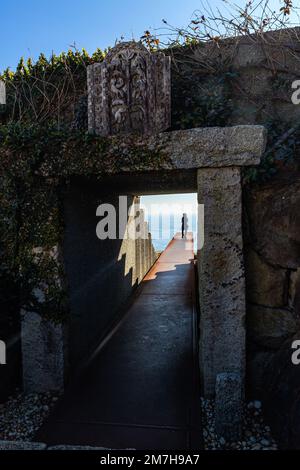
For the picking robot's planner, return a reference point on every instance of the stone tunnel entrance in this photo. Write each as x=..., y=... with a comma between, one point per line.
x=141, y=387
x=204, y=160
x=105, y=272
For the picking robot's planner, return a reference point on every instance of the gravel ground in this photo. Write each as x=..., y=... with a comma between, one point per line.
x=255, y=434
x=22, y=415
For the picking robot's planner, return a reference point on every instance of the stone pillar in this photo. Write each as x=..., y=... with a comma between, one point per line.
x=142, y=245
x=44, y=354
x=221, y=277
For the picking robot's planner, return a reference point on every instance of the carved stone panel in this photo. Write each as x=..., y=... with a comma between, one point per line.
x=129, y=92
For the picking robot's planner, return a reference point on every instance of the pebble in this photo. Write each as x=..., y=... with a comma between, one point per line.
x=256, y=434
x=22, y=415
x=256, y=447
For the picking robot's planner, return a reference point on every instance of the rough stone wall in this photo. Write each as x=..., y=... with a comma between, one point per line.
x=262, y=72
x=272, y=261
x=262, y=89
x=44, y=354
x=261, y=69
x=221, y=277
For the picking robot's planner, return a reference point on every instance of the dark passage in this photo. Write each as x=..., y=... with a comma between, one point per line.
x=141, y=389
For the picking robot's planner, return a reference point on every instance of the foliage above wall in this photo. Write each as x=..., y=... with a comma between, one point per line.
x=245, y=56
x=50, y=90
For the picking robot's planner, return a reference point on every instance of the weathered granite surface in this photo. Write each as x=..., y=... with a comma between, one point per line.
x=265, y=284
x=270, y=327
x=44, y=350
x=228, y=411
x=215, y=147
x=129, y=92
x=273, y=219
x=221, y=277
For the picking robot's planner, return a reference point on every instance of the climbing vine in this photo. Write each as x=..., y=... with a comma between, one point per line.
x=50, y=90
x=209, y=82
x=36, y=164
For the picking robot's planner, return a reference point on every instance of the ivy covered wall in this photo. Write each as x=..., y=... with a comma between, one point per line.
x=43, y=142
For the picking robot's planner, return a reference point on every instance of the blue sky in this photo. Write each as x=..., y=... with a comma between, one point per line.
x=29, y=27
x=33, y=26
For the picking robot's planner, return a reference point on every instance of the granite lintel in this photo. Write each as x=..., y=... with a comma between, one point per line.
x=207, y=147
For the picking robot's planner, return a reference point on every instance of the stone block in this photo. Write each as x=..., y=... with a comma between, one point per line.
x=265, y=284
x=221, y=277
x=273, y=218
x=228, y=408
x=214, y=146
x=270, y=327
x=294, y=291
x=44, y=352
x=211, y=147
x=129, y=92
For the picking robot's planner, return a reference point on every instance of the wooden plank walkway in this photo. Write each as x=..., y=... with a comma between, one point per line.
x=141, y=390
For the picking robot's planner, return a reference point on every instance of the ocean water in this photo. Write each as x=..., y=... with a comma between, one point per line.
x=164, y=228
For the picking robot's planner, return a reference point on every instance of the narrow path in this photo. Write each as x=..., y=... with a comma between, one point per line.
x=141, y=389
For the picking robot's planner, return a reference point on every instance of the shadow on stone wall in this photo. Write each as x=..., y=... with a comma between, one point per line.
x=281, y=396
x=100, y=277
x=272, y=262
x=101, y=274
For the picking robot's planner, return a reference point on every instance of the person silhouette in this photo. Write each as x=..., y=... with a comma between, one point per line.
x=184, y=225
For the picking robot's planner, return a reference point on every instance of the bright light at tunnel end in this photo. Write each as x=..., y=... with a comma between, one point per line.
x=128, y=220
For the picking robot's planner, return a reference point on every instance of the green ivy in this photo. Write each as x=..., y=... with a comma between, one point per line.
x=36, y=164
x=276, y=157
x=48, y=90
